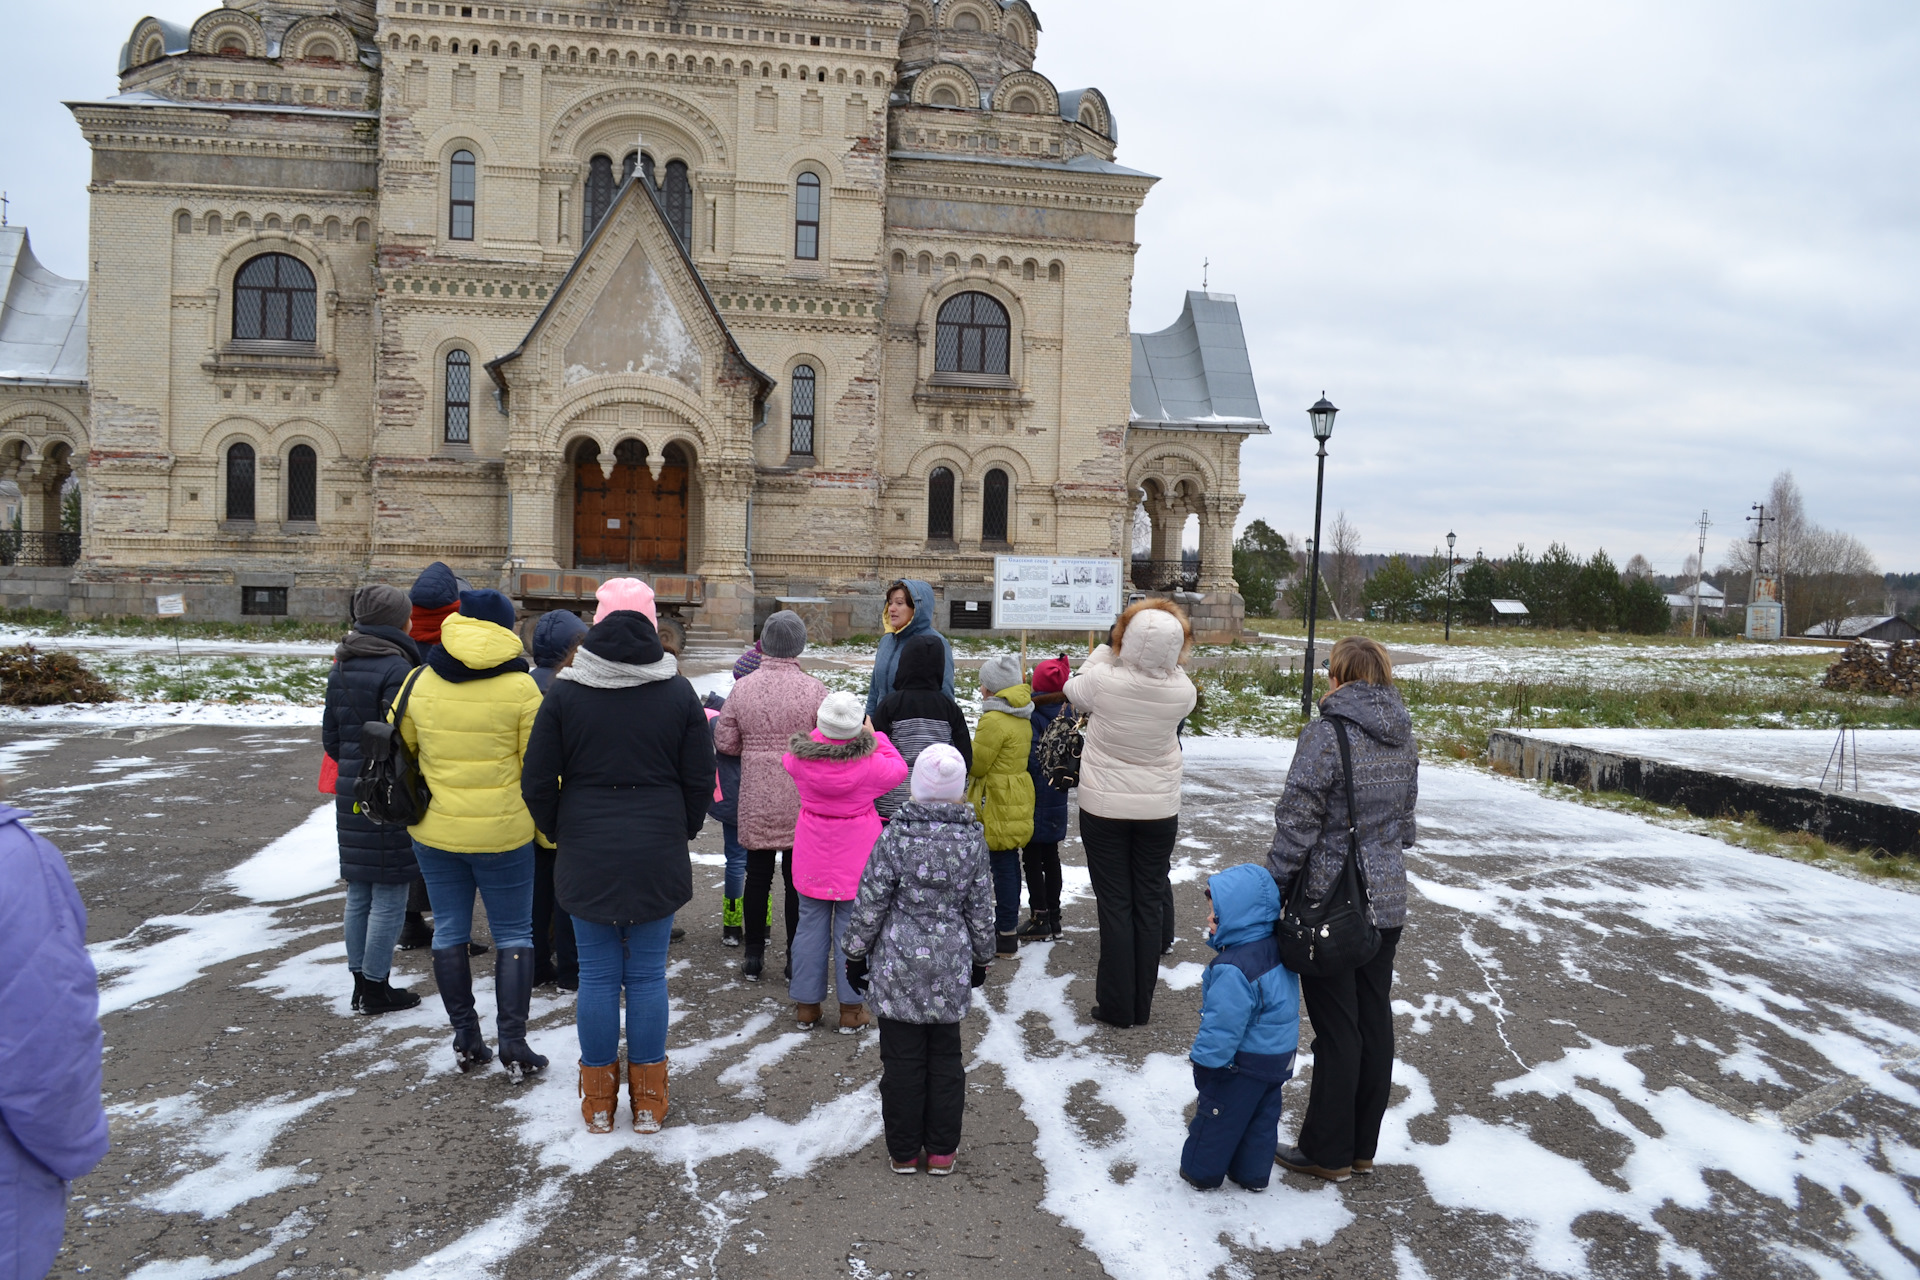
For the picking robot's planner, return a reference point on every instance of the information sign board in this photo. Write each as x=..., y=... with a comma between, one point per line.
x=1056, y=593
x=170, y=606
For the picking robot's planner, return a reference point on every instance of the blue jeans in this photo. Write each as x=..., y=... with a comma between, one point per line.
x=1235, y=1128
x=736, y=882
x=1006, y=889
x=505, y=882
x=613, y=956
x=823, y=921
x=374, y=916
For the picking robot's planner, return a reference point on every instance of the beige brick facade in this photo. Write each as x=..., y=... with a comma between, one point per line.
x=433, y=168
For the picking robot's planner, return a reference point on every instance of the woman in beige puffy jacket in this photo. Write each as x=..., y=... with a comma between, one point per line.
x=1135, y=696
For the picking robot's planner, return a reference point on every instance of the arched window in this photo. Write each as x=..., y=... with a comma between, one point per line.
x=800, y=411
x=599, y=193
x=646, y=170
x=806, y=217
x=678, y=199
x=628, y=165
x=972, y=336
x=459, y=397
x=460, y=188
x=993, y=507
x=273, y=302
x=303, y=485
x=940, y=505
x=240, y=482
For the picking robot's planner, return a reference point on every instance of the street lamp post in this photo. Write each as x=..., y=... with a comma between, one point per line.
x=1321, y=416
x=1449, y=586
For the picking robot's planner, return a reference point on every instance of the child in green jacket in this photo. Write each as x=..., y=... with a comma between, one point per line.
x=1000, y=787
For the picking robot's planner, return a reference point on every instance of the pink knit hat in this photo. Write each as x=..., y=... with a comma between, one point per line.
x=616, y=594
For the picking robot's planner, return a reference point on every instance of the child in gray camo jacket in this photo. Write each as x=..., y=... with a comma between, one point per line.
x=922, y=936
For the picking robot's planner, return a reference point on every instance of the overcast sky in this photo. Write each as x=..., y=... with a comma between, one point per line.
x=1571, y=272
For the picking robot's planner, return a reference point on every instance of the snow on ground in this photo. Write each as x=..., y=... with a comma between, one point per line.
x=1609, y=664
x=1888, y=762
x=163, y=645
x=243, y=715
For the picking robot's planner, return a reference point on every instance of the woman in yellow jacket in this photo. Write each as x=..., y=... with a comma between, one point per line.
x=1000, y=787
x=468, y=716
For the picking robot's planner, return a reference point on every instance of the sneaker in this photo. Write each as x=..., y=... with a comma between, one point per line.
x=907, y=1167
x=1295, y=1160
x=1037, y=928
x=941, y=1166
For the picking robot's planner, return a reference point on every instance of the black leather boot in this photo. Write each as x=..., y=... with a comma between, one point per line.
x=513, y=993
x=453, y=974
x=415, y=933
x=359, y=989
x=384, y=997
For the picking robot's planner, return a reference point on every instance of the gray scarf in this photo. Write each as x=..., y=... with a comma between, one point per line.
x=595, y=672
x=1001, y=704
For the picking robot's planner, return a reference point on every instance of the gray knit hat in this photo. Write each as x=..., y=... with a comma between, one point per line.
x=1001, y=672
x=381, y=606
x=784, y=635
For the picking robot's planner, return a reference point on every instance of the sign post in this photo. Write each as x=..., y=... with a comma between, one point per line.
x=173, y=606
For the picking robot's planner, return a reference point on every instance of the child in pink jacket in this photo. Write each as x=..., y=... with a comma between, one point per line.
x=839, y=769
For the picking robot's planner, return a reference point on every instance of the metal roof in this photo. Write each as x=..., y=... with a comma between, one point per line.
x=1196, y=373
x=43, y=318
x=1895, y=627
x=1508, y=607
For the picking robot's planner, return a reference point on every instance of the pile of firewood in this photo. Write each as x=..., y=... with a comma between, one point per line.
x=1861, y=669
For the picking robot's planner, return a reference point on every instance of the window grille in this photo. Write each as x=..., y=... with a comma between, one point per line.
x=460, y=192
x=459, y=397
x=303, y=484
x=273, y=300
x=599, y=193
x=268, y=601
x=993, y=507
x=800, y=413
x=940, y=505
x=678, y=200
x=972, y=336
x=806, y=217
x=240, y=482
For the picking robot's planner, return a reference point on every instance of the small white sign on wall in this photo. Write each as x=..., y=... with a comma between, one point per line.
x=170, y=606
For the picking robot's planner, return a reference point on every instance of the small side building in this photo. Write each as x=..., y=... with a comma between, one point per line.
x=1882, y=627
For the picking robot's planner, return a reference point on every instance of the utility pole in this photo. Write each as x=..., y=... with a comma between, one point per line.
x=1700, y=571
x=1759, y=520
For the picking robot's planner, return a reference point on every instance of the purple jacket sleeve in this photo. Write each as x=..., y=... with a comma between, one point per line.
x=50, y=1042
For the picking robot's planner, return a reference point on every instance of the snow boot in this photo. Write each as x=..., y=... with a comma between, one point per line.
x=754, y=961
x=1008, y=944
x=733, y=921
x=383, y=997
x=453, y=974
x=1295, y=1160
x=853, y=1017
x=1038, y=928
x=416, y=933
x=513, y=992
x=807, y=1015
x=599, y=1096
x=647, y=1094
x=359, y=989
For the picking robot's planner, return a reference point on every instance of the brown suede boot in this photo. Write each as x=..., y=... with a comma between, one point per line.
x=647, y=1092
x=807, y=1015
x=853, y=1017
x=599, y=1097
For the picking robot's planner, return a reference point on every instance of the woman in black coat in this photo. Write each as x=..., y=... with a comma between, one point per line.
x=376, y=861
x=618, y=774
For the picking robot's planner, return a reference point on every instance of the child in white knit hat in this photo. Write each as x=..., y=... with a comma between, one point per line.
x=922, y=931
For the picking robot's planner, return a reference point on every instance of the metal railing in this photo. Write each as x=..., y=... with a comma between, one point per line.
x=47, y=550
x=1166, y=575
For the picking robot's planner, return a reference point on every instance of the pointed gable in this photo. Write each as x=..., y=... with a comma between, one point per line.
x=634, y=327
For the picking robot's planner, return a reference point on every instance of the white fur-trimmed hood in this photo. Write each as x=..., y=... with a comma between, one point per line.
x=1153, y=642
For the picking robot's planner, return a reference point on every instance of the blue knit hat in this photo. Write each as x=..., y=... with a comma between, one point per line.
x=488, y=606
x=435, y=588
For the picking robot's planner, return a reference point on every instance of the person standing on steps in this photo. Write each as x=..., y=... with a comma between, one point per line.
x=376, y=860
x=916, y=714
x=1135, y=696
x=907, y=612
x=1000, y=787
x=555, y=959
x=839, y=769
x=1041, y=857
x=620, y=773
x=1351, y=1012
x=435, y=595
x=467, y=720
x=762, y=714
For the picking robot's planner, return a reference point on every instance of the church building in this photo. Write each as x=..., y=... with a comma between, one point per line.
x=764, y=301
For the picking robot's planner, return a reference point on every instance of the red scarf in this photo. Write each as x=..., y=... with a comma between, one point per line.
x=424, y=625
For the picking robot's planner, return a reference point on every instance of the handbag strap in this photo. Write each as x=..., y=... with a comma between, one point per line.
x=1353, y=810
x=398, y=711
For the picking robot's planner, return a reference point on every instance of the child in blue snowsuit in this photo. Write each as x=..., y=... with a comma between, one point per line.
x=1249, y=1030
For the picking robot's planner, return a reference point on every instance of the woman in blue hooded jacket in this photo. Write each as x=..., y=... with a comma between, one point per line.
x=908, y=612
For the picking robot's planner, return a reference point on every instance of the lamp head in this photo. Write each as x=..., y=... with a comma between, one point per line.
x=1321, y=415
x=1449, y=541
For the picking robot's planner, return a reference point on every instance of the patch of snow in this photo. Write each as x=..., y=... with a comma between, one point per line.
x=1183, y=975
x=154, y=968
x=249, y=715
x=236, y=1141
x=299, y=864
x=481, y=1251
x=294, y=1226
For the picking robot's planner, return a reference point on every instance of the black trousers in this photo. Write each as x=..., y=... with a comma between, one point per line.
x=1166, y=917
x=1127, y=861
x=923, y=1087
x=417, y=900
x=1352, y=1059
x=758, y=908
x=1042, y=862
x=553, y=949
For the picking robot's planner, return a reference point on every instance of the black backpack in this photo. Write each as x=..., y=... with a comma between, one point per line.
x=1059, y=751
x=1336, y=934
x=391, y=790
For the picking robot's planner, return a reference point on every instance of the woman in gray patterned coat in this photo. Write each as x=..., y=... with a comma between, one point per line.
x=922, y=929
x=1351, y=1012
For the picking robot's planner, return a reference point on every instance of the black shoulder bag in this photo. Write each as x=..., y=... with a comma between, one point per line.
x=391, y=790
x=1336, y=934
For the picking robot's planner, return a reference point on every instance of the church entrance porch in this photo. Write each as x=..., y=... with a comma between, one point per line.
x=633, y=515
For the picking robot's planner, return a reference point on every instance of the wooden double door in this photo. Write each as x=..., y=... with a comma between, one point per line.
x=629, y=518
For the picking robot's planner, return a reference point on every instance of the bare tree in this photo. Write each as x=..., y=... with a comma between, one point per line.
x=1823, y=575
x=1142, y=542
x=1348, y=581
x=1638, y=567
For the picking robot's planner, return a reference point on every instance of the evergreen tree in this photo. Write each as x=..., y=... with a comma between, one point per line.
x=1555, y=578
x=1644, y=609
x=1394, y=591
x=1475, y=590
x=1596, y=594
x=1260, y=561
